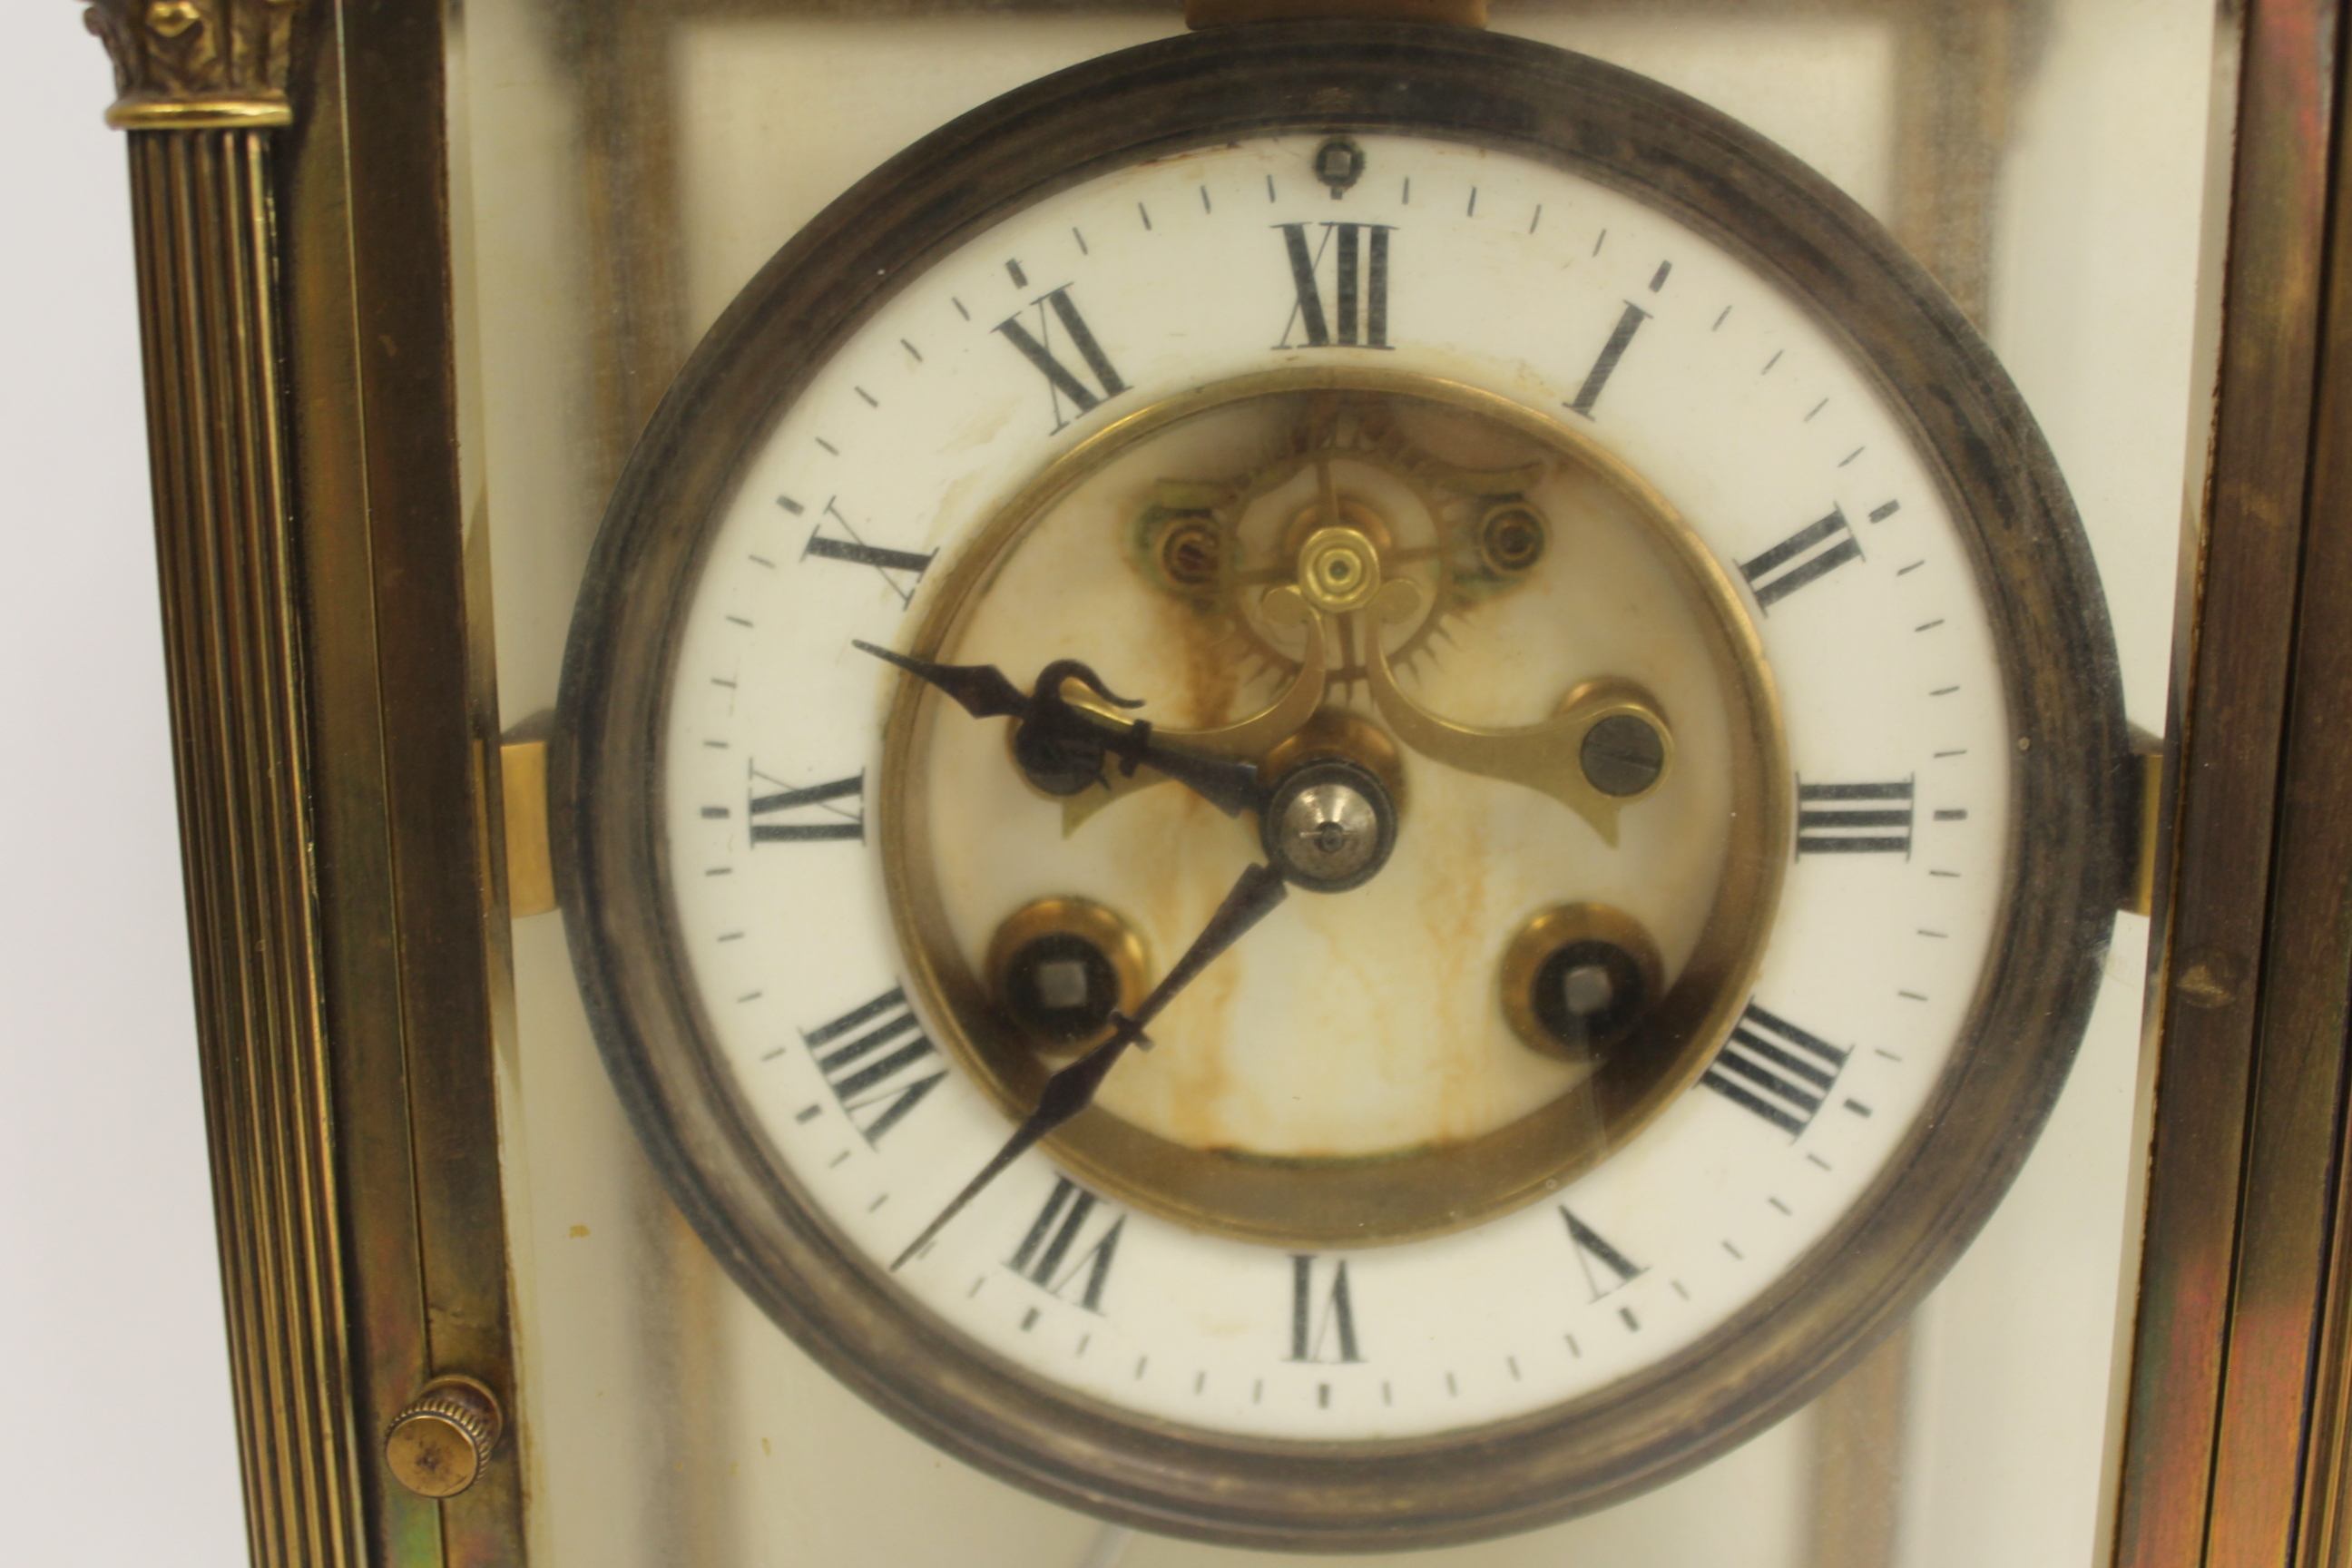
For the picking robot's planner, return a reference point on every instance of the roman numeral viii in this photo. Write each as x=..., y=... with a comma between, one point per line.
x=1853, y=818
x=1776, y=1069
x=1050, y=1255
x=1359, y=314
x=1324, y=1331
x=1808, y=555
x=820, y=812
x=1061, y=380
x=877, y=1061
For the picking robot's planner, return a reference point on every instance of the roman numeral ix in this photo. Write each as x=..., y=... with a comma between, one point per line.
x=1808, y=555
x=1326, y=1333
x=1359, y=317
x=1776, y=1069
x=1049, y=1256
x=875, y=1069
x=1853, y=818
x=1062, y=382
x=822, y=817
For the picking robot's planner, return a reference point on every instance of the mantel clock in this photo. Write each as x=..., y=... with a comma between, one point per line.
x=1076, y=782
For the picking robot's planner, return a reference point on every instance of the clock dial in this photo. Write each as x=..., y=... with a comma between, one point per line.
x=1605, y=621
x=1350, y=1074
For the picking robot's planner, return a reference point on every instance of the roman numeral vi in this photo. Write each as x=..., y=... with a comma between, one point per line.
x=1324, y=1332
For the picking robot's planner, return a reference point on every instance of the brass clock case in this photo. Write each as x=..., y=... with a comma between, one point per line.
x=2032, y=563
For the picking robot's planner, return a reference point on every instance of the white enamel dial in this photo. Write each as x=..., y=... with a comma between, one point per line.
x=1582, y=307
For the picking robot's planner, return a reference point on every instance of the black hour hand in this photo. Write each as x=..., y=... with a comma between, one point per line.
x=1063, y=748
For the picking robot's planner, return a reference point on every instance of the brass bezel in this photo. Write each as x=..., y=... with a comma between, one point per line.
x=1399, y=1195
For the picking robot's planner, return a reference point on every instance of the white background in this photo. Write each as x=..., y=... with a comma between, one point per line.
x=116, y=1438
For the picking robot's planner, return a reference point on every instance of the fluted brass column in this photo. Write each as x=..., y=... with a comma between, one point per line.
x=202, y=86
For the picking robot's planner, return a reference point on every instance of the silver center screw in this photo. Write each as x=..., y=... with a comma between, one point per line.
x=1330, y=826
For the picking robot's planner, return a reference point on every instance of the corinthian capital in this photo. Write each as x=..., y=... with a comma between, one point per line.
x=190, y=65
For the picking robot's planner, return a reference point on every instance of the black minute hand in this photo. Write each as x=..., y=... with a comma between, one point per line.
x=1072, y=1089
x=1061, y=747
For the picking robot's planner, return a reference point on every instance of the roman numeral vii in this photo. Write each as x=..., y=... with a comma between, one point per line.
x=1051, y=1255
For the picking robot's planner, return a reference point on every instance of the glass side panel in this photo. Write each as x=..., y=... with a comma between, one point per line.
x=621, y=169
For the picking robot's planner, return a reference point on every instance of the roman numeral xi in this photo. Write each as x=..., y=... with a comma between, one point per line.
x=877, y=1061
x=1359, y=317
x=1037, y=348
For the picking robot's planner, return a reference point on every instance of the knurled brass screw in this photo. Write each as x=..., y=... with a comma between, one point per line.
x=437, y=1446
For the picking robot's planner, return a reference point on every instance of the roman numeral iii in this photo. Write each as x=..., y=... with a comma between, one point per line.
x=1324, y=1330
x=1806, y=556
x=1853, y=818
x=804, y=814
x=1038, y=349
x=1359, y=315
x=1775, y=1070
x=877, y=1061
x=1050, y=1255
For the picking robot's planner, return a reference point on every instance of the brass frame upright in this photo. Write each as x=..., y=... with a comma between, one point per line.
x=332, y=734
